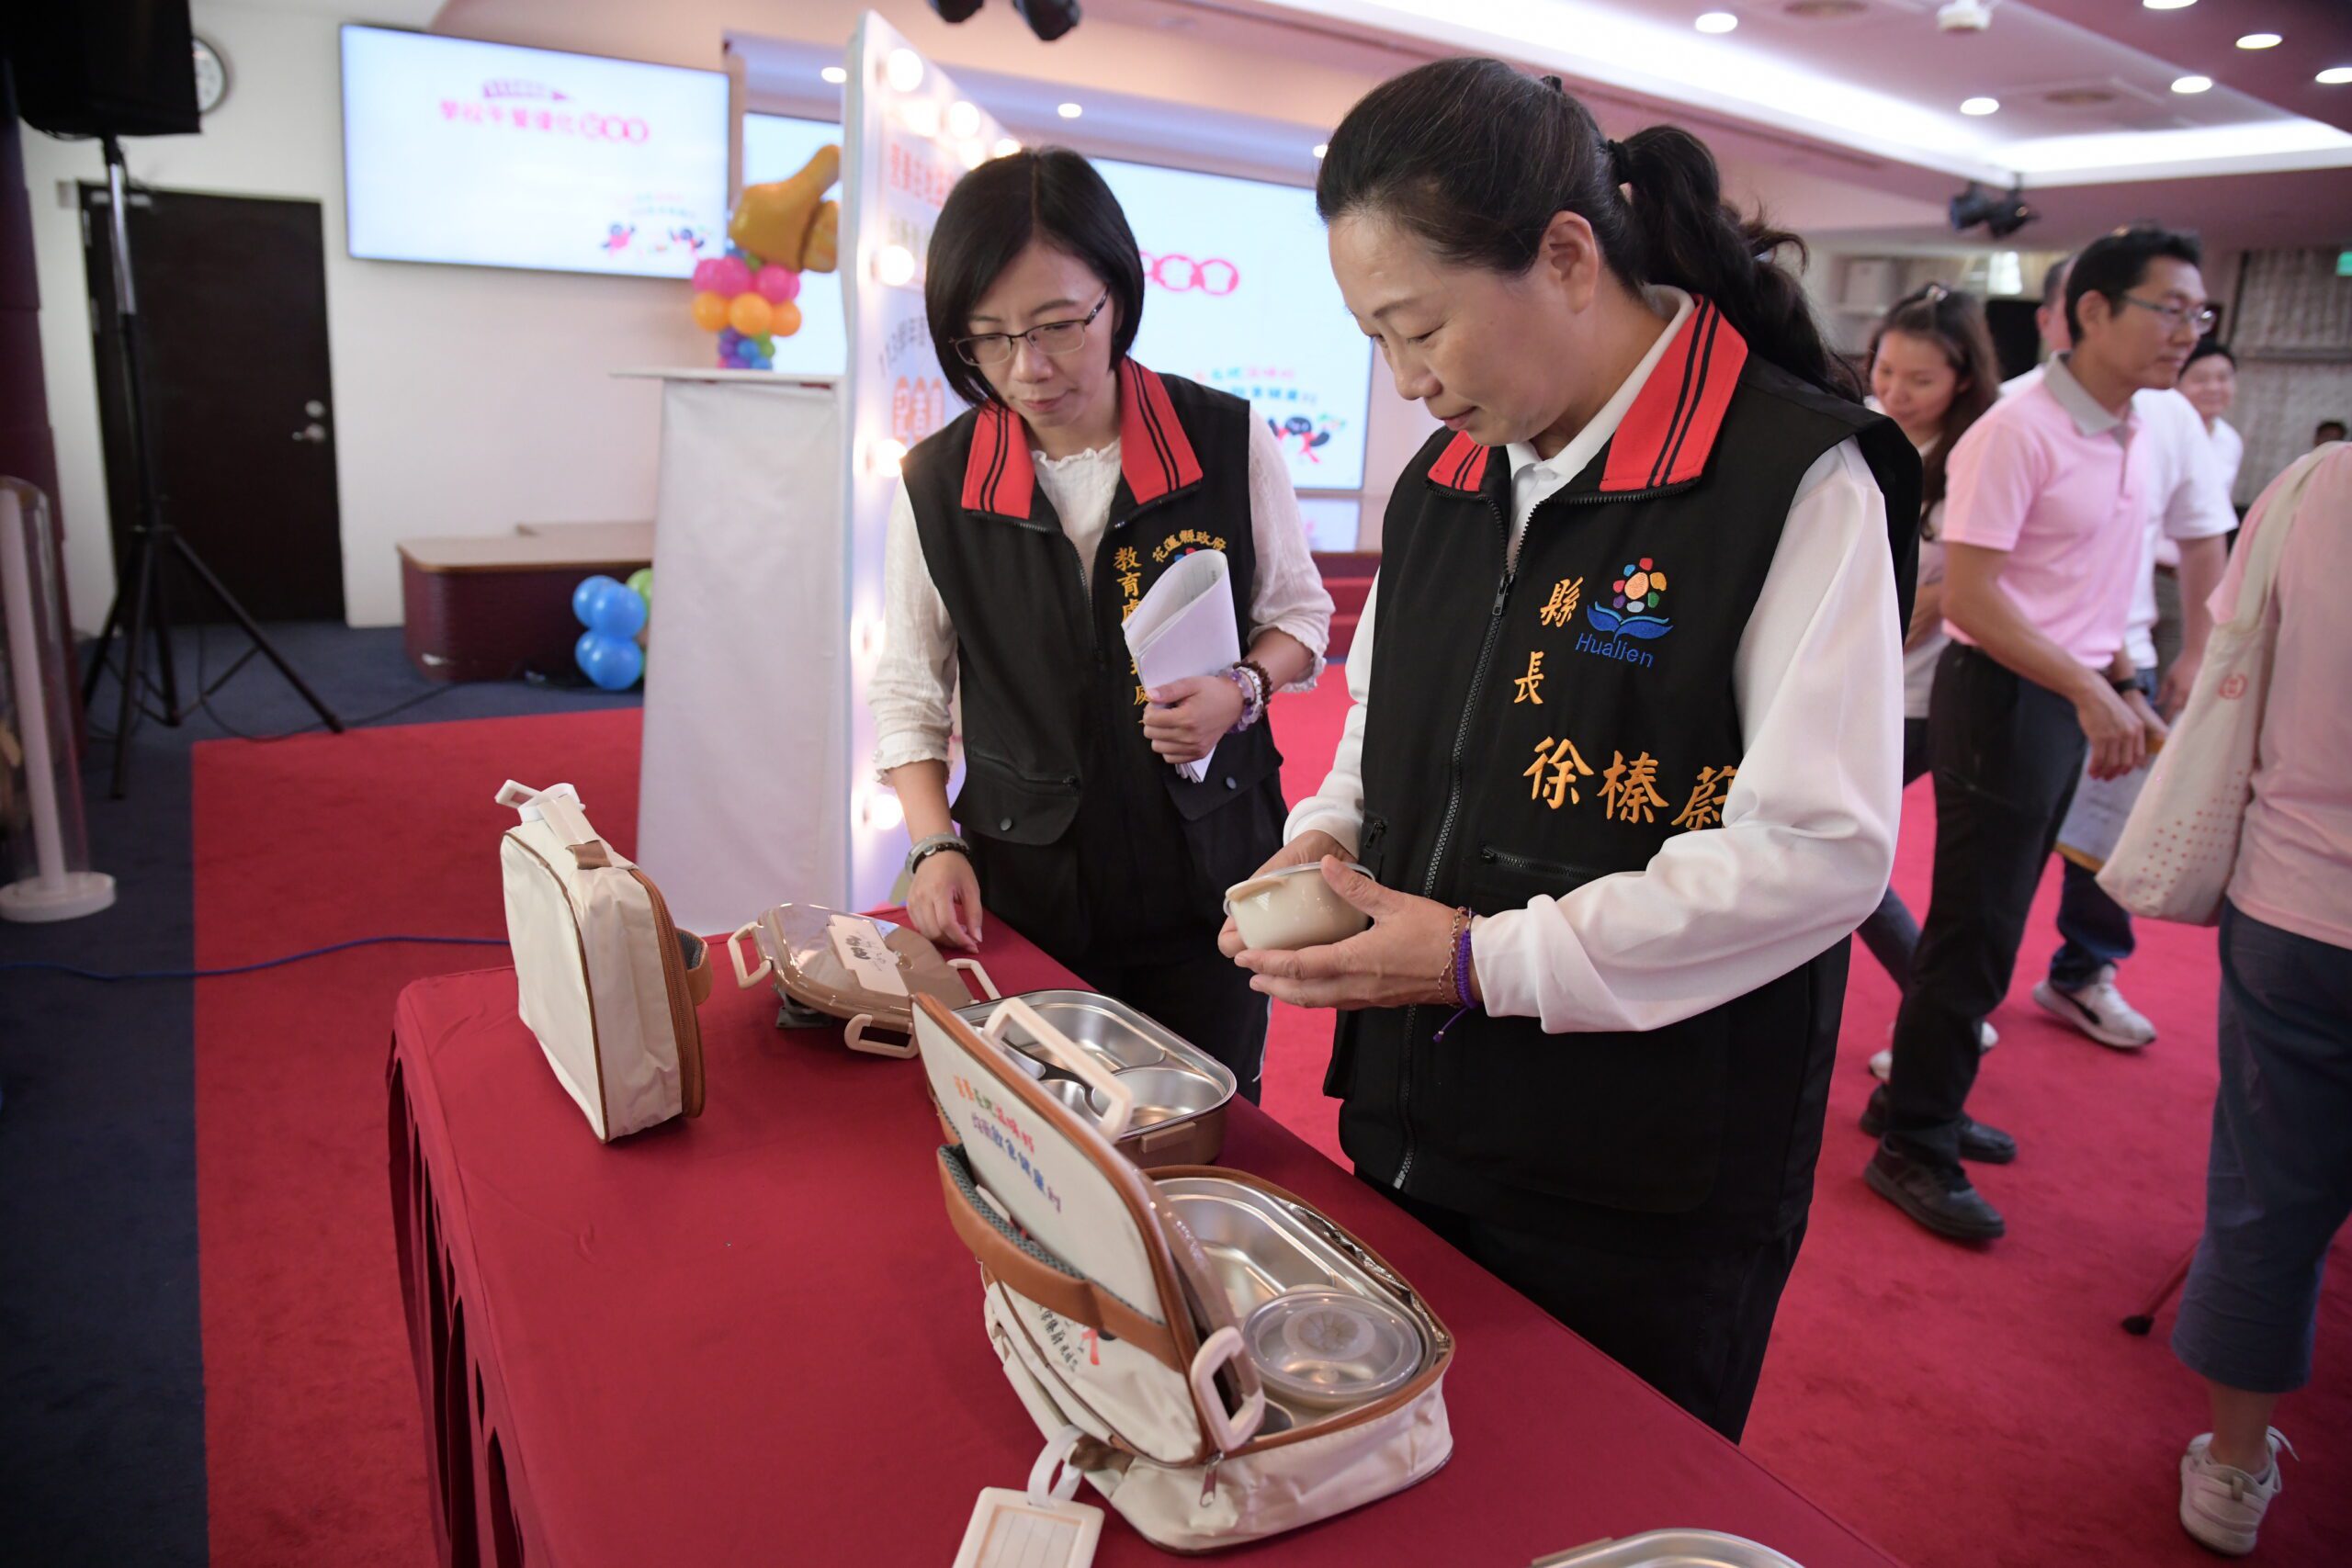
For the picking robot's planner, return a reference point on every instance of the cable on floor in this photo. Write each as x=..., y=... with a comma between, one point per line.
x=80, y=973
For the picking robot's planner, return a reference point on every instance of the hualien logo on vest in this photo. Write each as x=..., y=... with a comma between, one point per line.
x=1634, y=596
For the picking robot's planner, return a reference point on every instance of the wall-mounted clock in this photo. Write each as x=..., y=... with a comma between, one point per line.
x=211, y=77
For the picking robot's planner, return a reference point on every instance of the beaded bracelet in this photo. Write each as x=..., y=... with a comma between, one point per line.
x=1457, y=973
x=1251, y=707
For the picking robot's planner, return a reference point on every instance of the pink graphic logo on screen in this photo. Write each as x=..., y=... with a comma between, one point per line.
x=518, y=104
x=1215, y=278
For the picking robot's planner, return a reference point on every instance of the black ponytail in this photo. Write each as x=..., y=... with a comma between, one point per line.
x=1476, y=159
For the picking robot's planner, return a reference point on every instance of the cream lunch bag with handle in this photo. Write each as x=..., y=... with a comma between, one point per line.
x=602, y=977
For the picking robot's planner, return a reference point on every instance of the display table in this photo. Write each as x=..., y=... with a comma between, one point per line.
x=752, y=1338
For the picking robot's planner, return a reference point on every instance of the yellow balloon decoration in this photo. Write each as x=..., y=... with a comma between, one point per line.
x=749, y=315
x=788, y=222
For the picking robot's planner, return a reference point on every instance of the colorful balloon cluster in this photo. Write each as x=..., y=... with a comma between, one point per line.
x=610, y=651
x=749, y=304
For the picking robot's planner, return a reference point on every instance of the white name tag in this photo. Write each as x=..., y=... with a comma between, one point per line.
x=1013, y=1529
x=859, y=945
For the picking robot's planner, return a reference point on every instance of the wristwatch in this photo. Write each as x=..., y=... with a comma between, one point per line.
x=926, y=848
x=2124, y=685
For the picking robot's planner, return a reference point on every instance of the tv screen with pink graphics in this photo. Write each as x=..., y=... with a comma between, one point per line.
x=487, y=154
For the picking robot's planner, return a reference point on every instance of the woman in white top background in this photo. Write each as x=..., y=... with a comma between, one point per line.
x=1933, y=372
x=1023, y=534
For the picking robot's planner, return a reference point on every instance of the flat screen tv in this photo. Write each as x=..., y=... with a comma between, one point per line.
x=488, y=154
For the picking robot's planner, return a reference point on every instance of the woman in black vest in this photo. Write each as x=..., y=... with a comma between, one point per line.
x=1023, y=534
x=1623, y=758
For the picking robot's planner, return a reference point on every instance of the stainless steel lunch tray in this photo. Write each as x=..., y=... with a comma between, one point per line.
x=1671, y=1549
x=1259, y=1246
x=1120, y=1039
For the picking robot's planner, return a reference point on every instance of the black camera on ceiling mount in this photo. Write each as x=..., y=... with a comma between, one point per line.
x=2002, y=215
x=1049, y=19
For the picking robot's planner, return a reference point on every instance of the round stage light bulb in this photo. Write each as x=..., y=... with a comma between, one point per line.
x=1979, y=106
x=973, y=155
x=1322, y=150
x=905, y=70
x=1006, y=146
x=886, y=456
x=882, y=812
x=2260, y=40
x=834, y=74
x=894, y=265
x=2191, y=83
x=2334, y=77
x=868, y=637
x=962, y=120
x=921, y=117
x=1070, y=111
x=1716, y=22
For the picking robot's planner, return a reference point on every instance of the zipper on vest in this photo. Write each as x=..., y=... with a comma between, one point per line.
x=1452, y=812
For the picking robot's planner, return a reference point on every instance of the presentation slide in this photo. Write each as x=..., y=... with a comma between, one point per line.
x=1239, y=296
x=490, y=155
x=776, y=147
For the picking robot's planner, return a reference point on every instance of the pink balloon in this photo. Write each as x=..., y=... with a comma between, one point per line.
x=731, y=278
x=706, y=276
x=776, y=285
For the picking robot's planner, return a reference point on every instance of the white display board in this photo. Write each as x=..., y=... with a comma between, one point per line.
x=909, y=136
x=1238, y=295
x=776, y=147
x=493, y=156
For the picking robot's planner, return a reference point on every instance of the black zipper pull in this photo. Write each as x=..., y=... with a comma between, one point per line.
x=1502, y=592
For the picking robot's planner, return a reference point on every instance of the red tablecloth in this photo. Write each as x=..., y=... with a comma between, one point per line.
x=752, y=1338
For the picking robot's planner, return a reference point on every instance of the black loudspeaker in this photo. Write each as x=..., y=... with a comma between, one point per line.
x=105, y=67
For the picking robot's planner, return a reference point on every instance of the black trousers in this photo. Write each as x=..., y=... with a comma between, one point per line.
x=2005, y=755
x=1207, y=999
x=1694, y=1323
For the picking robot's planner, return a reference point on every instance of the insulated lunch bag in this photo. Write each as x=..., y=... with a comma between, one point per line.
x=1116, y=1301
x=603, y=978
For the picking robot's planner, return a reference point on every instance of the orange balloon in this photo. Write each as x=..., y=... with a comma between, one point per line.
x=710, y=310
x=750, y=315
x=784, y=318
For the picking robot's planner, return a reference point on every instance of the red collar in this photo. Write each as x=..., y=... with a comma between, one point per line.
x=1156, y=457
x=1667, y=434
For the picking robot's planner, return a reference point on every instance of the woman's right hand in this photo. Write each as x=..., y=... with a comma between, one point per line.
x=944, y=900
x=1308, y=849
x=2118, y=740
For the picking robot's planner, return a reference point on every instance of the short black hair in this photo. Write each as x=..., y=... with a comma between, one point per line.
x=2053, y=282
x=2325, y=425
x=1039, y=193
x=2116, y=264
x=2209, y=348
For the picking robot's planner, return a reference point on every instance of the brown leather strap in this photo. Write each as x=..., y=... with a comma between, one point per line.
x=1079, y=1300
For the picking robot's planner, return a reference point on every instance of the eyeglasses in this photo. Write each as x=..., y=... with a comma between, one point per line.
x=1055, y=338
x=2203, y=318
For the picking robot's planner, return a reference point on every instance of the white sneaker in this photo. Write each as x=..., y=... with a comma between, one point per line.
x=1883, y=1062
x=2223, y=1507
x=2099, y=1010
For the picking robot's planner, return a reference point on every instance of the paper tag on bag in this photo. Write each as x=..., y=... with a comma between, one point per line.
x=1041, y=1528
x=859, y=945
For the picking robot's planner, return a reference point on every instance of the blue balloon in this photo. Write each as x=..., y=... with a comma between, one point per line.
x=613, y=663
x=618, y=615
x=590, y=593
x=729, y=337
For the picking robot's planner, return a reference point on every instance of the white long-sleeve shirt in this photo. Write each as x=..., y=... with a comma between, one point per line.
x=1807, y=839
x=914, y=684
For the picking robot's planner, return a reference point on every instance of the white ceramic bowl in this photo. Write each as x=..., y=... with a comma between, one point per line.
x=1292, y=908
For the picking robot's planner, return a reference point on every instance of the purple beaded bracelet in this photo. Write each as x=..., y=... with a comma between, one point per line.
x=1461, y=993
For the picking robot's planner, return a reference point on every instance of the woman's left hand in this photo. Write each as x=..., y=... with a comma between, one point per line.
x=1400, y=961
x=1187, y=718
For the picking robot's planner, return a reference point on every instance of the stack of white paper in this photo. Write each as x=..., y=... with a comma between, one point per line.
x=1184, y=627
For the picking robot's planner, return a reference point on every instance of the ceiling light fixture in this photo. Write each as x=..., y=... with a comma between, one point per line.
x=955, y=11
x=1964, y=15
x=834, y=74
x=1979, y=106
x=2260, y=40
x=2334, y=77
x=2192, y=83
x=1070, y=111
x=1716, y=22
x=1049, y=19
x=2167, y=4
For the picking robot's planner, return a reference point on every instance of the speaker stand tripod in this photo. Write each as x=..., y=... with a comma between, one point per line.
x=140, y=602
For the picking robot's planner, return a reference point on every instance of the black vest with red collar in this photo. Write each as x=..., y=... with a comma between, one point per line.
x=1084, y=840
x=1531, y=728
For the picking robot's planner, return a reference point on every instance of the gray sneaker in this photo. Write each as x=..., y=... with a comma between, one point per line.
x=2223, y=1507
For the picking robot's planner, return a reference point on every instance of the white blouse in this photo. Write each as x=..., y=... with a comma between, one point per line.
x=1807, y=839
x=913, y=686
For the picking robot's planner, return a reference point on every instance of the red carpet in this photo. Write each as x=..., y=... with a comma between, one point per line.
x=1960, y=1408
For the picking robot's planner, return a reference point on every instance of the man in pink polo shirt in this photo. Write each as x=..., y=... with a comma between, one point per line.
x=2043, y=534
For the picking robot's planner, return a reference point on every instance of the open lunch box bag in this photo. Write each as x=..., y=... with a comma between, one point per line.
x=603, y=977
x=1115, y=1299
